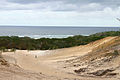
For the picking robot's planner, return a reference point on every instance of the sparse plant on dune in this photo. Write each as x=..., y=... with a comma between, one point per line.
x=116, y=52
x=3, y=49
x=13, y=50
x=0, y=54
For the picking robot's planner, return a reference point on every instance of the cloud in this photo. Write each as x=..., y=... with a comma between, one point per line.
x=107, y=17
x=43, y=5
x=59, y=5
x=59, y=12
x=25, y=1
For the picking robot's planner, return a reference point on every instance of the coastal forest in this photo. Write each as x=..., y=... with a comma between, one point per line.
x=27, y=43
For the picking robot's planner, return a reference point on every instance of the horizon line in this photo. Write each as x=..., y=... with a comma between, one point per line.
x=53, y=26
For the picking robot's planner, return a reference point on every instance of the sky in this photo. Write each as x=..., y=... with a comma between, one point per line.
x=60, y=12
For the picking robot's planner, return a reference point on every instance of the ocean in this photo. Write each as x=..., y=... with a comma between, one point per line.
x=51, y=32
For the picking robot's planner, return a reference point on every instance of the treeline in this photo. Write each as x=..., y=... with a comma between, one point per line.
x=26, y=43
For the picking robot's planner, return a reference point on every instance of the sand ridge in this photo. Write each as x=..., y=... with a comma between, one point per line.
x=52, y=63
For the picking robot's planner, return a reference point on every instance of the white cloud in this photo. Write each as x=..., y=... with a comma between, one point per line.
x=90, y=7
x=30, y=17
x=59, y=12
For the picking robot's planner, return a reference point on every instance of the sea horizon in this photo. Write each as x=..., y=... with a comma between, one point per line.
x=52, y=31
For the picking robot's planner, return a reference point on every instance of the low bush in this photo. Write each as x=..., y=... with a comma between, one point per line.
x=26, y=43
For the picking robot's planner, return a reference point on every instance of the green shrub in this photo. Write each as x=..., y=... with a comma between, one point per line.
x=26, y=43
x=12, y=50
x=116, y=52
x=3, y=49
x=0, y=54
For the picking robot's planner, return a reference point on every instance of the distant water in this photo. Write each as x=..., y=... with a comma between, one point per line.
x=51, y=32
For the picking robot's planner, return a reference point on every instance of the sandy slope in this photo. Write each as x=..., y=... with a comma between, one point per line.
x=53, y=65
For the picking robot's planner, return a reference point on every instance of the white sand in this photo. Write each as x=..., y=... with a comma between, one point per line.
x=39, y=52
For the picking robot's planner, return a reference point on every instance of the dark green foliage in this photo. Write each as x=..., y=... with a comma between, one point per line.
x=116, y=52
x=26, y=43
x=12, y=50
x=3, y=49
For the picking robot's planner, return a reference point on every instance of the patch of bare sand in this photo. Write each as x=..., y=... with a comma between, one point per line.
x=49, y=64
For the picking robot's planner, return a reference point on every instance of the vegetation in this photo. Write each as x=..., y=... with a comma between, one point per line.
x=26, y=43
x=12, y=50
x=116, y=52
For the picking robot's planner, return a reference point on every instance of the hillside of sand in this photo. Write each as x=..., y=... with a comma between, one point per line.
x=95, y=61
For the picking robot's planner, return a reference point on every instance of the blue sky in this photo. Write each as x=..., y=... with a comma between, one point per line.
x=60, y=12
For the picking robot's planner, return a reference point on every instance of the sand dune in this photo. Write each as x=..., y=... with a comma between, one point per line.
x=55, y=64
